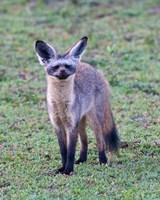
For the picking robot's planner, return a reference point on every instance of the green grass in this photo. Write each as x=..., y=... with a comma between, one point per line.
x=124, y=42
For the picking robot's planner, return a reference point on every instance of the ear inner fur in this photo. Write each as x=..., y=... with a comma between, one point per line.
x=78, y=49
x=44, y=51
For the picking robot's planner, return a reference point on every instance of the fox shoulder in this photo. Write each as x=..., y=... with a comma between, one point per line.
x=86, y=74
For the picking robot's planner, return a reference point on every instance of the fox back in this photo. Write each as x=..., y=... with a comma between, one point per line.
x=76, y=93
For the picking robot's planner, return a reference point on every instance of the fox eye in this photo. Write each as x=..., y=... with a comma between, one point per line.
x=56, y=67
x=67, y=66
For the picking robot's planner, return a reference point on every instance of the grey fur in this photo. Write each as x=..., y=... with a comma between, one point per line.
x=77, y=92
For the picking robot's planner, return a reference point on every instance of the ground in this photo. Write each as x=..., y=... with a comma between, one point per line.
x=124, y=42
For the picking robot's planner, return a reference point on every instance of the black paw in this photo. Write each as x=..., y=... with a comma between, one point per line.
x=68, y=172
x=102, y=158
x=60, y=170
x=80, y=161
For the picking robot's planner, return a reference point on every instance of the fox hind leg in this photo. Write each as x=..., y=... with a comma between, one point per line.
x=83, y=141
x=97, y=128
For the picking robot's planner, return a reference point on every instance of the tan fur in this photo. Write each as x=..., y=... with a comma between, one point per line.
x=60, y=97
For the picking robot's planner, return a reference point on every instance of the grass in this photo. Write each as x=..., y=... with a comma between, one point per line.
x=124, y=42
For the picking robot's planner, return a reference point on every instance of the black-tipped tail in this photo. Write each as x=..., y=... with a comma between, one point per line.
x=112, y=140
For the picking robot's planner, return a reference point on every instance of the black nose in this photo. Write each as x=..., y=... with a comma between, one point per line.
x=62, y=74
x=62, y=71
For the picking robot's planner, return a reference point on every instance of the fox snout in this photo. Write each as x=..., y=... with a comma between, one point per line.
x=61, y=71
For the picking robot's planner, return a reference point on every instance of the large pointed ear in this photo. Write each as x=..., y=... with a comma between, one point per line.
x=78, y=49
x=44, y=52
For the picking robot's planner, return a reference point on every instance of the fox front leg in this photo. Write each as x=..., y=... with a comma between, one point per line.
x=63, y=148
x=71, y=149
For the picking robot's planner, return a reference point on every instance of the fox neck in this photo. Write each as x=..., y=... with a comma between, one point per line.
x=60, y=90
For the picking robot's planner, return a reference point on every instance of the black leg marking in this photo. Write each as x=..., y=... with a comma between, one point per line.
x=63, y=150
x=71, y=149
x=83, y=141
x=82, y=158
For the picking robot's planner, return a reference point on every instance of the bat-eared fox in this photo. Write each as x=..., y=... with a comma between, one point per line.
x=77, y=93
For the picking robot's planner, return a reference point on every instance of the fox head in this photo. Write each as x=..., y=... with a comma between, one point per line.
x=60, y=66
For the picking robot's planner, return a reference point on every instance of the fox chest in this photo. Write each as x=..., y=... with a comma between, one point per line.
x=60, y=100
x=60, y=113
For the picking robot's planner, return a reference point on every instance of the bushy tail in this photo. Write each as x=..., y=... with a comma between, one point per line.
x=112, y=139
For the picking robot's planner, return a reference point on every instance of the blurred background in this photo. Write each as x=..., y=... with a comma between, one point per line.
x=124, y=42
